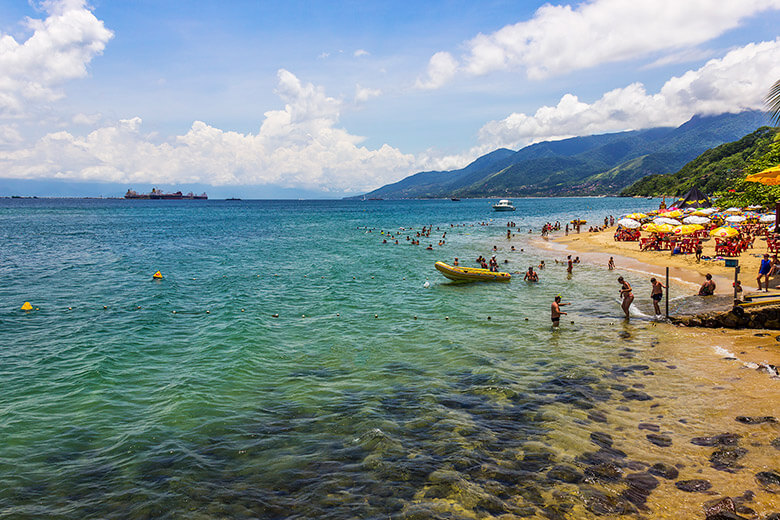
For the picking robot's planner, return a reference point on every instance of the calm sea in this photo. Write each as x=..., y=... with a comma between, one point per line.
x=291, y=365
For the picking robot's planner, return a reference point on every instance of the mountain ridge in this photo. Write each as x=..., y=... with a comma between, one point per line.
x=601, y=164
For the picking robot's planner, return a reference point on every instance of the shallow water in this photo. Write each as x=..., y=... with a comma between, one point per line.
x=368, y=396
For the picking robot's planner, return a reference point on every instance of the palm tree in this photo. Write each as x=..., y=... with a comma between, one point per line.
x=773, y=102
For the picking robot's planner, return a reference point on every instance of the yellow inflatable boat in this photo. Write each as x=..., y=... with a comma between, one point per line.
x=471, y=274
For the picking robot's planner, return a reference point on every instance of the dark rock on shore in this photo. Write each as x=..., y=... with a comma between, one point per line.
x=693, y=486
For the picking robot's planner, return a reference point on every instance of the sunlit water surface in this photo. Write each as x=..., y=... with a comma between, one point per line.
x=291, y=365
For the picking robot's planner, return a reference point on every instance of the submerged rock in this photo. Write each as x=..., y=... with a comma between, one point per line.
x=756, y=420
x=724, y=439
x=640, y=485
x=603, y=503
x=649, y=426
x=776, y=443
x=664, y=441
x=565, y=473
x=605, y=471
x=666, y=471
x=597, y=416
x=725, y=458
x=601, y=439
x=769, y=479
x=696, y=485
x=636, y=395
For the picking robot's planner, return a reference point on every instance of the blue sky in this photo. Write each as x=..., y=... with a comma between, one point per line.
x=334, y=98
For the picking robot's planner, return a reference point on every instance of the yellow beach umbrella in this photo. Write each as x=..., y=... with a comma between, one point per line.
x=675, y=213
x=687, y=229
x=636, y=216
x=657, y=228
x=724, y=232
x=770, y=176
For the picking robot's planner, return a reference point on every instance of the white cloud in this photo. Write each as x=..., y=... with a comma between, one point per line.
x=561, y=38
x=441, y=69
x=59, y=49
x=734, y=83
x=86, y=119
x=361, y=52
x=364, y=93
x=298, y=146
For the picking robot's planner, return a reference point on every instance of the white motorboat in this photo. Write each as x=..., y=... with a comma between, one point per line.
x=504, y=205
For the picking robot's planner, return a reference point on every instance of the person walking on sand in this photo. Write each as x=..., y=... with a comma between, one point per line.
x=626, y=294
x=656, y=294
x=611, y=264
x=763, y=272
x=555, y=311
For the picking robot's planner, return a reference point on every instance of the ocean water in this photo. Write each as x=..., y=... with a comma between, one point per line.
x=292, y=365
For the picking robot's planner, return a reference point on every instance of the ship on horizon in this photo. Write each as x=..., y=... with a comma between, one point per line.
x=159, y=194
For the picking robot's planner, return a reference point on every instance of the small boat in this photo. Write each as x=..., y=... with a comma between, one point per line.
x=455, y=199
x=504, y=205
x=471, y=274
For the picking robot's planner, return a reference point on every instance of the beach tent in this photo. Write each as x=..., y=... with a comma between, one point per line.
x=693, y=199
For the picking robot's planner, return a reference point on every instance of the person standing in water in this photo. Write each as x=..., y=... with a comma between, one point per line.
x=656, y=294
x=569, y=264
x=626, y=294
x=555, y=311
x=611, y=264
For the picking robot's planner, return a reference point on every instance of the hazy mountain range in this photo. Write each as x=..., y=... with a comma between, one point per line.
x=592, y=165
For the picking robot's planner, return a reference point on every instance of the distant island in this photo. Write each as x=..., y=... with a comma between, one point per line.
x=160, y=195
x=604, y=164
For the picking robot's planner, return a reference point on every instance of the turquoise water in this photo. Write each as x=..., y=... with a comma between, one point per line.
x=291, y=365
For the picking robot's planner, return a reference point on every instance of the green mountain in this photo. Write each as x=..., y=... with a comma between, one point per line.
x=590, y=165
x=717, y=169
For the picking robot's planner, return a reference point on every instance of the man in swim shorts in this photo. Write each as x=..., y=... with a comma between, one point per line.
x=555, y=311
x=656, y=294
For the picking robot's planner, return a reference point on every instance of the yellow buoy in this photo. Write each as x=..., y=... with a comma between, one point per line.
x=26, y=306
x=157, y=275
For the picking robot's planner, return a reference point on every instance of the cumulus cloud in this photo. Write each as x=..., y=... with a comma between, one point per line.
x=734, y=83
x=561, y=38
x=361, y=52
x=297, y=146
x=59, y=49
x=364, y=93
x=441, y=69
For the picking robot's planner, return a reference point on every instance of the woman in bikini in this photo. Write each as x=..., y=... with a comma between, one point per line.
x=626, y=294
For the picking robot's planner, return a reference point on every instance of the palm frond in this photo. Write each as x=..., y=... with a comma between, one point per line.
x=772, y=101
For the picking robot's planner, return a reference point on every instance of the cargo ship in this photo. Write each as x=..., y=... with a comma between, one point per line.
x=159, y=194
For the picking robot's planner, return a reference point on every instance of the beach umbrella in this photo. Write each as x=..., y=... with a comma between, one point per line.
x=657, y=228
x=694, y=219
x=754, y=207
x=724, y=232
x=706, y=211
x=687, y=229
x=675, y=213
x=629, y=223
x=770, y=176
x=636, y=216
x=732, y=210
x=736, y=219
x=666, y=220
x=766, y=218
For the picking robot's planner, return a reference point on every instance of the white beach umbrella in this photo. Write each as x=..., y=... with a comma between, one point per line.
x=665, y=220
x=629, y=223
x=736, y=219
x=732, y=210
x=707, y=211
x=693, y=219
x=754, y=207
x=766, y=218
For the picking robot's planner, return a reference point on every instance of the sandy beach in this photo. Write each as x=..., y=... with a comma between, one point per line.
x=601, y=245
